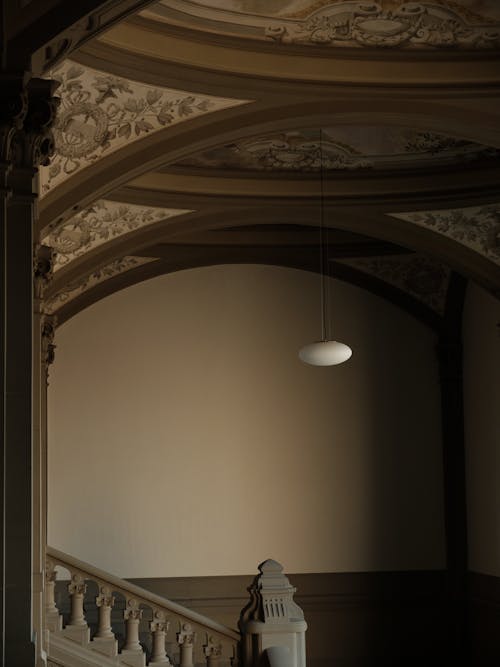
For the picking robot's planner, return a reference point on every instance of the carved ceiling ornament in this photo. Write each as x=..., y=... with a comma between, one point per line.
x=101, y=113
x=477, y=227
x=431, y=24
x=411, y=25
x=99, y=223
x=345, y=147
x=114, y=268
x=421, y=277
x=288, y=151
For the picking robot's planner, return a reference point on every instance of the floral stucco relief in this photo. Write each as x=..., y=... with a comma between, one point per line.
x=100, y=113
x=477, y=227
x=99, y=223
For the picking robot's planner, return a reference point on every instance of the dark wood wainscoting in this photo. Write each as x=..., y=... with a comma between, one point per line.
x=355, y=619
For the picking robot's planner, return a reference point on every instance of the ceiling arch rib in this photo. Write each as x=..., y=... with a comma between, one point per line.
x=177, y=142
x=418, y=285
x=375, y=64
x=410, y=130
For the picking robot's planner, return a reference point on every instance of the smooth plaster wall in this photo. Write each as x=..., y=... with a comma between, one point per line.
x=187, y=439
x=482, y=428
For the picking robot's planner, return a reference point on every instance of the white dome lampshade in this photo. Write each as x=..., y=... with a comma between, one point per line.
x=325, y=353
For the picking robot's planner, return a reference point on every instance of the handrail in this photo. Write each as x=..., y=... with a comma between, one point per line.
x=140, y=594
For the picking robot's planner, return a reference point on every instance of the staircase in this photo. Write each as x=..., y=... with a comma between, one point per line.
x=125, y=624
x=94, y=619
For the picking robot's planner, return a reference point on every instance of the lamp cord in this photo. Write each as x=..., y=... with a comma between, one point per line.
x=322, y=247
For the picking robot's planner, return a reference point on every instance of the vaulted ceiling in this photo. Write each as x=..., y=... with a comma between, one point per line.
x=196, y=133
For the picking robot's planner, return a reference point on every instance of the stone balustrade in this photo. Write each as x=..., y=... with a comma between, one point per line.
x=122, y=624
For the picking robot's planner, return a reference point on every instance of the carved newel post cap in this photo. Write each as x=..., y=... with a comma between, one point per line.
x=272, y=577
x=270, y=565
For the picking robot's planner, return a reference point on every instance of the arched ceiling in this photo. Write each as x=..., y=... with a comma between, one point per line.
x=193, y=133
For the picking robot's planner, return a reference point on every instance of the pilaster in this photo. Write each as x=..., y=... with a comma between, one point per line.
x=27, y=113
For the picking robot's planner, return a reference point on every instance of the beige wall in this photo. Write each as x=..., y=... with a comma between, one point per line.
x=482, y=428
x=187, y=439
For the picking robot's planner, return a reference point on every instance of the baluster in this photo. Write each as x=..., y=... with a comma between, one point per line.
x=77, y=589
x=77, y=628
x=159, y=627
x=132, y=615
x=104, y=640
x=212, y=651
x=132, y=653
x=185, y=639
x=53, y=620
x=105, y=602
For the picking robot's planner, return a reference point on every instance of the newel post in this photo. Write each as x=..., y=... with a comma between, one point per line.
x=272, y=624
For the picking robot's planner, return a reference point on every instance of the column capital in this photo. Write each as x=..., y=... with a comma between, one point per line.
x=212, y=649
x=159, y=622
x=186, y=635
x=132, y=610
x=28, y=110
x=105, y=597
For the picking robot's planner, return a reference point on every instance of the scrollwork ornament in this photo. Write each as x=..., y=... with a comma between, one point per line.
x=77, y=585
x=105, y=597
x=369, y=24
x=159, y=622
x=186, y=635
x=48, y=346
x=132, y=611
x=33, y=144
x=43, y=268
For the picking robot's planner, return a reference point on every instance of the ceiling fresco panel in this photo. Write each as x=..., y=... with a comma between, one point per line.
x=466, y=24
x=345, y=147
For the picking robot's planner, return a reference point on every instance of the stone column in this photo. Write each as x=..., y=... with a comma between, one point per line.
x=104, y=602
x=27, y=111
x=185, y=639
x=159, y=627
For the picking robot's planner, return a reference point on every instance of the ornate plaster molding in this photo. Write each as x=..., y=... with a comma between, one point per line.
x=346, y=147
x=434, y=24
x=100, y=223
x=114, y=268
x=100, y=113
x=476, y=227
x=289, y=151
x=419, y=276
x=27, y=113
x=368, y=24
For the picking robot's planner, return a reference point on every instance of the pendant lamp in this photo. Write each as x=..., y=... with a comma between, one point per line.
x=325, y=352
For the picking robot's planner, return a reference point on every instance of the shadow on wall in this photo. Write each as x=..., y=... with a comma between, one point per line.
x=207, y=445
